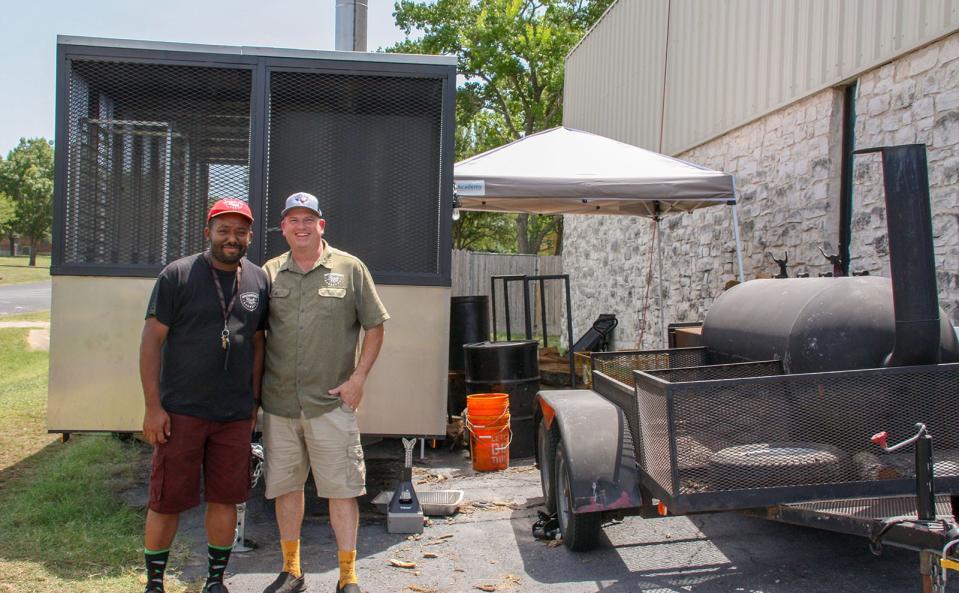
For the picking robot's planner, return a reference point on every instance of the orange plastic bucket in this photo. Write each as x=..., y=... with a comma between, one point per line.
x=490, y=437
x=487, y=404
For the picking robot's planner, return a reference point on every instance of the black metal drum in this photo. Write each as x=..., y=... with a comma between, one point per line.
x=512, y=368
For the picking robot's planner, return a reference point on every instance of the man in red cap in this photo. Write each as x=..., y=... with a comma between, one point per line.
x=201, y=363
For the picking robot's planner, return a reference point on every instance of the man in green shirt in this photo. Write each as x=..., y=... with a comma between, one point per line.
x=320, y=299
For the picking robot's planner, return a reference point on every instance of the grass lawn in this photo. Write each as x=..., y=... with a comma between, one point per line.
x=14, y=270
x=32, y=316
x=63, y=527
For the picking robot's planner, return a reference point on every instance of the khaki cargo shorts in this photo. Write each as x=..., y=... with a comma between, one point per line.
x=328, y=444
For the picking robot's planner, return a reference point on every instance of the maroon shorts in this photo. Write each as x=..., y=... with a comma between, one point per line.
x=220, y=449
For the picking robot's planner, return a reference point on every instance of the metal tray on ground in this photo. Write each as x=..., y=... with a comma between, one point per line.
x=434, y=502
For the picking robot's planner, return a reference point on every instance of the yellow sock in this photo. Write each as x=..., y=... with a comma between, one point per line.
x=347, y=566
x=291, y=557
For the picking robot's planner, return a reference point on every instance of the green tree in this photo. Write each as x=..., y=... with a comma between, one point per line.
x=27, y=177
x=7, y=219
x=511, y=54
x=485, y=231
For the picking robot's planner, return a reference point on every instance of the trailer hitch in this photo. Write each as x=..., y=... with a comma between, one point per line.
x=546, y=527
x=925, y=491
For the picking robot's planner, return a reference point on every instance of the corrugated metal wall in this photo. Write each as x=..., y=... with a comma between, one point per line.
x=730, y=61
x=610, y=90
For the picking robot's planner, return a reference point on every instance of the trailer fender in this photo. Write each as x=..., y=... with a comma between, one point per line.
x=599, y=450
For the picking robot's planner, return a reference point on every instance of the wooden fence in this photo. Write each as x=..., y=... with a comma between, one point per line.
x=471, y=276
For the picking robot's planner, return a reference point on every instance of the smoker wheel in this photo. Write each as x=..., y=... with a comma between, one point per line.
x=546, y=439
x=765, y=465
x=580, y=531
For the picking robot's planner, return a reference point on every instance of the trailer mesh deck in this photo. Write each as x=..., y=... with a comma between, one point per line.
x=873, y=508
x=743, y=435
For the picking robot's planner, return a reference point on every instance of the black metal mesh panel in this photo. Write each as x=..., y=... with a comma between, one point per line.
x=875, y=508
x=369, y=148
x=149, y=148
x=612, y=377
x=719, y=371
x=623, y=396
x=790, y=431
x=621, y=364
x=653, y=422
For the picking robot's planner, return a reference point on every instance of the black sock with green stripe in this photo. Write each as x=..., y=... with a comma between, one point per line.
x=218, y=557
x=155, y=561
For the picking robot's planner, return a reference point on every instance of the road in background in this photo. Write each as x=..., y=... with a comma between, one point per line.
x=24, y=298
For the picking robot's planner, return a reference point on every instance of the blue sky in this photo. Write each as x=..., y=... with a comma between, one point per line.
x=29, y=29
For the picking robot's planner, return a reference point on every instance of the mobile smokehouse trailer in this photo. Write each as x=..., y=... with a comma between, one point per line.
x=786, y=410
x=149, y=133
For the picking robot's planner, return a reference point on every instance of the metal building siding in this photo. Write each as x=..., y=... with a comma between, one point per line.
x=608, y=89
x=731, y=61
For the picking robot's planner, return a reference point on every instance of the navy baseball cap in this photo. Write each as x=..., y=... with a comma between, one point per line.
x=302, y=200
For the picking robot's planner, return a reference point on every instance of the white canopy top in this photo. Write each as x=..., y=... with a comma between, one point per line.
x=567, y=171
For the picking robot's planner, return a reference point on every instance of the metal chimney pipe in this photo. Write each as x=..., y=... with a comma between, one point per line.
x=912, y=259
x=351, y=25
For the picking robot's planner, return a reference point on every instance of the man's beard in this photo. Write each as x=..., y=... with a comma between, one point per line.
x=223, y=258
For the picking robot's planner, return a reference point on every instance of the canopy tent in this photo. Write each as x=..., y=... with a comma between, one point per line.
x=568, y=171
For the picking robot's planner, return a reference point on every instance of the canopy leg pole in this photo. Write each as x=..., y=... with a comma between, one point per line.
x=662, y=291
x=739, y=245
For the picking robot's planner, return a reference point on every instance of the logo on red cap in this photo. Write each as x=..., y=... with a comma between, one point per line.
x=230, y=206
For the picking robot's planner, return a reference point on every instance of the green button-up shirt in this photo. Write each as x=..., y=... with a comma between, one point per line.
x=314, y=326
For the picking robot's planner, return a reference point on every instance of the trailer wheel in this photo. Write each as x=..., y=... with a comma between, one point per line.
x=764, y=465
x=580, y=531
x=546, y=440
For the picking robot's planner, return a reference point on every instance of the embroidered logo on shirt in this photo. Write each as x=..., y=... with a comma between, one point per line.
x=250, y=300
x=333, y=279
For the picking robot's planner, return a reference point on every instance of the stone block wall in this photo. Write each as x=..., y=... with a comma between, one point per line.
x=787, y=167
x=912, y=100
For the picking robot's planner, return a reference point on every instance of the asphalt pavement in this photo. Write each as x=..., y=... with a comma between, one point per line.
x=24, y=298
x=489, y=546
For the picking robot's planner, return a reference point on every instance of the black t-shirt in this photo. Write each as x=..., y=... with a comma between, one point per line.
x=193, y=381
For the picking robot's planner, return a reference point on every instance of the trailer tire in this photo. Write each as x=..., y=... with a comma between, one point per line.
x=765, y=465
x=546, y=440
x=580, y=531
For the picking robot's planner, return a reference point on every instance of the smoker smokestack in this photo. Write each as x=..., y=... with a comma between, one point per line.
x=912, y=260
x=351, y=25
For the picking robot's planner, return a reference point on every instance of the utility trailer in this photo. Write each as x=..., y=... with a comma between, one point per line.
x=780, y=413
x=148, y=134
x=690, y=421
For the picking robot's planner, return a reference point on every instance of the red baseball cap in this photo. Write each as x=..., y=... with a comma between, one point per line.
x=230, y=206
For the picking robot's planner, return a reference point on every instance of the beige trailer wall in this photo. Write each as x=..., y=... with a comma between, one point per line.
x=95, y=338
x=727, y=63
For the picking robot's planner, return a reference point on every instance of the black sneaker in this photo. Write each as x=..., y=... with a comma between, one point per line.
x=287, y=583
x=348, y=588
x=215, y=587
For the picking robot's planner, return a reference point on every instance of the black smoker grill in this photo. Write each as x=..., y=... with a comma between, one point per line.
x=777, y=414
x=716, y=428
x=797, y=375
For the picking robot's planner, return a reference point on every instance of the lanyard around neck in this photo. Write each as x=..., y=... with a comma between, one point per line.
x=227, y=310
